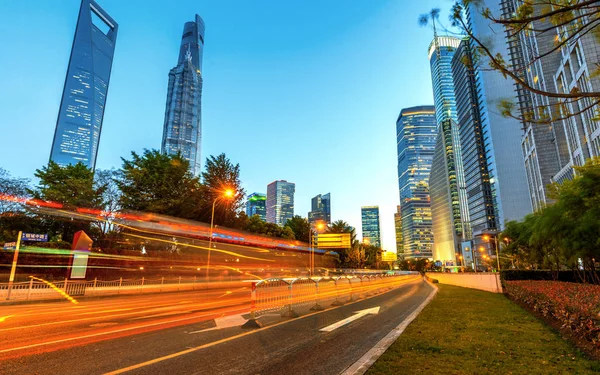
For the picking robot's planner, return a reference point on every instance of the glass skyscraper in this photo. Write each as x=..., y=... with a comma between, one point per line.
x=257, y=205
x=415, y=134
x=280, y=202
x=320, y=209
x=398, y=229
x=447, y=188
x=371, y=231
x=81, y=112
x=182, y=131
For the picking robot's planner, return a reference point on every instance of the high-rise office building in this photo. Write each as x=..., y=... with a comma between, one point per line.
x=398, y=230
x=544, y=144
x=449, y=210
x=257, y=205
x=81, y=112
x=552, y=148
x=415, y=134
x=481, y=190
x=182, y=131
x=280, y=201
x=371, y=230
x=320, y=209
x=496, y=181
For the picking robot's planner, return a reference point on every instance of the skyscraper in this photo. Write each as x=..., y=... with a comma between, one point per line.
x=320, y=209
x=256, y=205
x=501, y=135
x=371, y=231
x=449, y=210
x=497, y=187
x=552, y=148
x=398, y=229
x=182, y=131
x=415, y=134
x=81, y=112
x=280, y=201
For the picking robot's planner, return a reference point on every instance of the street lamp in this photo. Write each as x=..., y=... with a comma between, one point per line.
x=311, y=260
x=486, y=238
x=227, y=194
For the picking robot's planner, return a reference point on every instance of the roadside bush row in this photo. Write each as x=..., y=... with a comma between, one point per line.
x=575, y=306
x=567, y=276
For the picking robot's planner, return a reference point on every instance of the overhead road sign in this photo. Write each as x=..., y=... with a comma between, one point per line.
x=333, y=240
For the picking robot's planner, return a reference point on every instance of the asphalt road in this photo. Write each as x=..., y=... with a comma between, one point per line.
x=162, y=334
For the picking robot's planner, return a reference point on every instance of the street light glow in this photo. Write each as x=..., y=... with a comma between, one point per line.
x=228, y=193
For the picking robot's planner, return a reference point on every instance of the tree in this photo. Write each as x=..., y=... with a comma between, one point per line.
x=562, y=21
x=74, y=187
x=219, y=175
x=71, y=185
x=565, y=234
x=159, y=183
x=10, y=189
x=287, y=233
x=107, y=230
x=300, y=227
x=256, y=225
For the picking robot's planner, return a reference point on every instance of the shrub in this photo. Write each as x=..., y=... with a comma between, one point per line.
x=568, y=276
x=575, y=306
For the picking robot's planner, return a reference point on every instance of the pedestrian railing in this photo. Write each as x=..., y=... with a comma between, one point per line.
x=281, y=295
x=38, y=290
x=284, y=296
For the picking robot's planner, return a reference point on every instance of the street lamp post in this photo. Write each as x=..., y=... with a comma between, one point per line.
x=311, y=260
x=227, y=194
x=487, y=238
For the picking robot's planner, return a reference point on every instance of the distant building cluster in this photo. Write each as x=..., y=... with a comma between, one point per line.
x=464, y=169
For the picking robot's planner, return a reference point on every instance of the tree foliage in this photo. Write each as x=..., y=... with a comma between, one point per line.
x=12, y=187
x=159, y=183
x=565, y=234
x=220, y=175
x=300, y=227
x=71, y=185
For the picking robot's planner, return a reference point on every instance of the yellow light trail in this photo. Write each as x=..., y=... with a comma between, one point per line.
x=57, y=289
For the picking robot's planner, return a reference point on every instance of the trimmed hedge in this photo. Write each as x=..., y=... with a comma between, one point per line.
x=566, y=276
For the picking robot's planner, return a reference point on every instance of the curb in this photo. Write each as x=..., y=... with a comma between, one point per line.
x=368, y=359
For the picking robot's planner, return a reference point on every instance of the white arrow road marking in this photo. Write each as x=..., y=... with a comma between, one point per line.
x=224, y=322
x=357, y=315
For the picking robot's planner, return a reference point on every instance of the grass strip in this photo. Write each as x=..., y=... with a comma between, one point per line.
x=467, y=331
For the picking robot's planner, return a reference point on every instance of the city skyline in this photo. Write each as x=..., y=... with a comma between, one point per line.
x=146, y=51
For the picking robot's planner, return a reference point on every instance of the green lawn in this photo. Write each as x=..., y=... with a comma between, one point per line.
x=466, y=331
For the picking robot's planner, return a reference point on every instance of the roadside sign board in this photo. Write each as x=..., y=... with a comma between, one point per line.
x=10, y=245
x=333, y=240
x=389, y=256
x=35, y=237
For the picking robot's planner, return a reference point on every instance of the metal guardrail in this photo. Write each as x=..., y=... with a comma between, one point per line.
x=269, y=295
x=283, y=296
x=38, y=290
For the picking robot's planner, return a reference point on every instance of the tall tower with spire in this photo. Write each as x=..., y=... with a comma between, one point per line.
x=182, y=131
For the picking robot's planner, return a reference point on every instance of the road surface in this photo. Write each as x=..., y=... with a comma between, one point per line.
x=176, y=333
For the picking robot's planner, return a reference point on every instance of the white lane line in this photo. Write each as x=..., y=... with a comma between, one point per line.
x=357, y=315
x=366, y=361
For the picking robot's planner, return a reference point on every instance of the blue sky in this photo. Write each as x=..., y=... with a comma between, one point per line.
x=306, y=91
